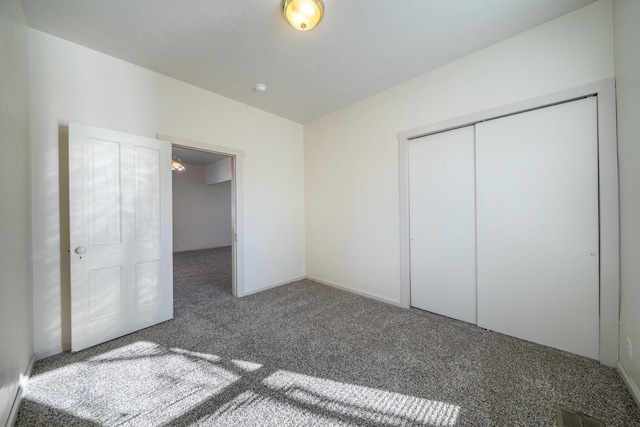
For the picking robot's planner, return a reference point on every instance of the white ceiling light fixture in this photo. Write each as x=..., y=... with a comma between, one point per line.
x=260, y=88
x=303, y=15
x=176, y=165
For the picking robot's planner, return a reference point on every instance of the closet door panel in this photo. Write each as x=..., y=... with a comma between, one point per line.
x=442, y=223
x=537, y=226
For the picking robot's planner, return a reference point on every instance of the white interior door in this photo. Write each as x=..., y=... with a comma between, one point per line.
x=537, y=226
x=120, y=234
x=442, y=223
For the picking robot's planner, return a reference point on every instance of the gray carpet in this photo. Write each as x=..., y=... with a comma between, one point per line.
x=308, y=354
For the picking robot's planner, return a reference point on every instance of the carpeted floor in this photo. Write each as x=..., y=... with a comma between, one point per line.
x=308, y=354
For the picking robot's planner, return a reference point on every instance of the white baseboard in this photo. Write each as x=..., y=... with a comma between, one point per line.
x=24, y=380
x=355, y=291
x=275, y=285
x=631, y=385
x=48, y=352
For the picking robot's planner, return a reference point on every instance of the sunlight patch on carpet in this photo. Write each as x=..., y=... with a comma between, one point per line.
x=147, y=384
x=247, y=366
x=134, y=383
x=256, y=409
x=363, y=403
x=203, y=356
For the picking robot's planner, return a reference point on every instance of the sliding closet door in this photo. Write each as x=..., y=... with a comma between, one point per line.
x=537, y=226
x=442, y=223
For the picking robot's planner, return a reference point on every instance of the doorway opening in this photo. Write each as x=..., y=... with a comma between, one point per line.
x=202, y=224
x=206, y=199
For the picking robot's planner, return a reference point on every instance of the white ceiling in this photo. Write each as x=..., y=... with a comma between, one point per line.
x=227, y=46
x=196, y=157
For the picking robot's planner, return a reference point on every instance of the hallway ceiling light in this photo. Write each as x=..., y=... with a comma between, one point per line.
x=176, y=165
x=303, y=15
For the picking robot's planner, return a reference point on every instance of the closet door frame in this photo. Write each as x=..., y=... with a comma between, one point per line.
x=608, y=197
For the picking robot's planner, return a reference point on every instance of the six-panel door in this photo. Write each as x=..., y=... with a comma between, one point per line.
x=120, y=234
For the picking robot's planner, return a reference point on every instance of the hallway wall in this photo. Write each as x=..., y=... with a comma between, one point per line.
x=201, y=213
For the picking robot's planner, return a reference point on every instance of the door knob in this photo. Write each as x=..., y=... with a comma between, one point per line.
x=80, y=250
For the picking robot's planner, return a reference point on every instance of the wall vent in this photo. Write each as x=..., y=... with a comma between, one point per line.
x=569, y=418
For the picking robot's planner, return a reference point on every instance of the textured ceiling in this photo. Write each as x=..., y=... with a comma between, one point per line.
x=360, y=48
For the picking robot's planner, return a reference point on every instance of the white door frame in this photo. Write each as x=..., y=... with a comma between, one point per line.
x=237, y=227
x=608, y=197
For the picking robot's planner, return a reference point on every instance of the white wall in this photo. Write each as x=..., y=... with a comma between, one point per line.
x=218, y=172
x=627, y=64
x=201, y=213
x=73, y=83
x=16, y=330
x=351, y=155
